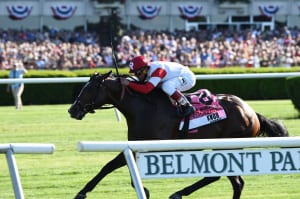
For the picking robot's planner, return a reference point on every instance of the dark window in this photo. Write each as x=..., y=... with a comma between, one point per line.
x=240, y=18
x=262, y=18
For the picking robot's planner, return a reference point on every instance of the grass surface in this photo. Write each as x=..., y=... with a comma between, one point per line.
x=64, y=173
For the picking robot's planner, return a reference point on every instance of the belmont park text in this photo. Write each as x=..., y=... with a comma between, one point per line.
x=218, y=163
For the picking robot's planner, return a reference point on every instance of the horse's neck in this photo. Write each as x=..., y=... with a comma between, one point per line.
x=114, y=88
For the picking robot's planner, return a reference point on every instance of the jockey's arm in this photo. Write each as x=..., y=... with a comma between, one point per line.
x=145, y=88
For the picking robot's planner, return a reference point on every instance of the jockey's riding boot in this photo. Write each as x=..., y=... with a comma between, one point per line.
x=187, y=109
x=185, y=106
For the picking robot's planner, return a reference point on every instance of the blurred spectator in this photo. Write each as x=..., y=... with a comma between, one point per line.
x=67, y=50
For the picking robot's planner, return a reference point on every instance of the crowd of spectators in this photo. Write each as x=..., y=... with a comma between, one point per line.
x=66, y=50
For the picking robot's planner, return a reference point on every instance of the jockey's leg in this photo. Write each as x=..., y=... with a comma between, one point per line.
x=173, y=87
x=186, y=106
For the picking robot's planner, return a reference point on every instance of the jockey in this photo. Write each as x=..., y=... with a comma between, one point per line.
x=171, y=77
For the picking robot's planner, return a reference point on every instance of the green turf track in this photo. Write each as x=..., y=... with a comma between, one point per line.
x=63, y=174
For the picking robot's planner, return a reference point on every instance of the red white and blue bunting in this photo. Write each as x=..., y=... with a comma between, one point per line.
x=62, y=12
x=190, y=11
x=148, y=11
x=269, y=11
x=19, y=12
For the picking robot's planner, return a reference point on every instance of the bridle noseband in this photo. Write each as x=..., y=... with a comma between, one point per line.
x=100, y=83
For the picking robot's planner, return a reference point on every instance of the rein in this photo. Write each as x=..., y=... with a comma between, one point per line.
x=114, y=100
x=101, y=83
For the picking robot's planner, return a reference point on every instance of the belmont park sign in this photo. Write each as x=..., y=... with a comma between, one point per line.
x=218, y=163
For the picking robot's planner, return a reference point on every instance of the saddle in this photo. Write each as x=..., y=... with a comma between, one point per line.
x=208, y=111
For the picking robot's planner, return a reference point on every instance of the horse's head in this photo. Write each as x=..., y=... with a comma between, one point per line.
x=91, y=96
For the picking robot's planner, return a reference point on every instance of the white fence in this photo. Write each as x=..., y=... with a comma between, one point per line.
x=118, y=115
x=20, y=148
x=85, y=79
x=186, y=158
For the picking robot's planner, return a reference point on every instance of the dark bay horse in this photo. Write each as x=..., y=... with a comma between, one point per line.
x=153, y=117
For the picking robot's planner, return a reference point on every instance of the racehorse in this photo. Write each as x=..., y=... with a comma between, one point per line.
x=154, y=117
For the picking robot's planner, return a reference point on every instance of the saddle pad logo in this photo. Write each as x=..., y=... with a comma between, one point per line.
x=205, y=119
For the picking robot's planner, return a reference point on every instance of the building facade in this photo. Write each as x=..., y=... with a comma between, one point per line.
x=157, y=14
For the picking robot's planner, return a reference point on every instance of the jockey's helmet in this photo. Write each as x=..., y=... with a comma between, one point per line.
x=137, y=63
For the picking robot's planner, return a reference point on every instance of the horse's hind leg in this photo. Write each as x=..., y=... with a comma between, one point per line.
x=194, y=187
x=237, y=183
x=147, y=193
x=116, y=163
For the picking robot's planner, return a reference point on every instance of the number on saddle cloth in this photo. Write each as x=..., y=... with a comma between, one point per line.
x=202, y=98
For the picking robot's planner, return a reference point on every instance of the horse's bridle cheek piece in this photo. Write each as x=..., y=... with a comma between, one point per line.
x=90, y=107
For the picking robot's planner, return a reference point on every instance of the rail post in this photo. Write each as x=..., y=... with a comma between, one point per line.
x=14, y=174
x=21, y=148
x=134, y=172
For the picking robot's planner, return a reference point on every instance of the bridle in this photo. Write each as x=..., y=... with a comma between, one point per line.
x=99, y=84
x=88, y=107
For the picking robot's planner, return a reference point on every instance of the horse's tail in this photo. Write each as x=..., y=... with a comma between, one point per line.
x=271, y=128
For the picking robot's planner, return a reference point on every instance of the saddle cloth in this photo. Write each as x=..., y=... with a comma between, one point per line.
x=208, y=110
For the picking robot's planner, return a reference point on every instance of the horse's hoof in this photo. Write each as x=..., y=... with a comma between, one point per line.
x=80, y=196
x=175, y=196
x=147, y=193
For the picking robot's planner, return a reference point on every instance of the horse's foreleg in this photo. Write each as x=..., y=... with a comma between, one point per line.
x=237, y=183
x=194, y=187
x=114, y=164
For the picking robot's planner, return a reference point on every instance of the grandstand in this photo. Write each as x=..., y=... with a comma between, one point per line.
x=160, y=14
x=47, y=34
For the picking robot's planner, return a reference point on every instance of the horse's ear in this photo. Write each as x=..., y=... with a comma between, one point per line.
x=94, y=75
x=106, y=75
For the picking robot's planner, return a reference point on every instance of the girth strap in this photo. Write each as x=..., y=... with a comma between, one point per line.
x=183, y=133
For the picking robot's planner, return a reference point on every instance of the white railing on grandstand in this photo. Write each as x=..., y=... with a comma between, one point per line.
x=85, y=79
x=188, y=158
x=21, y=148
